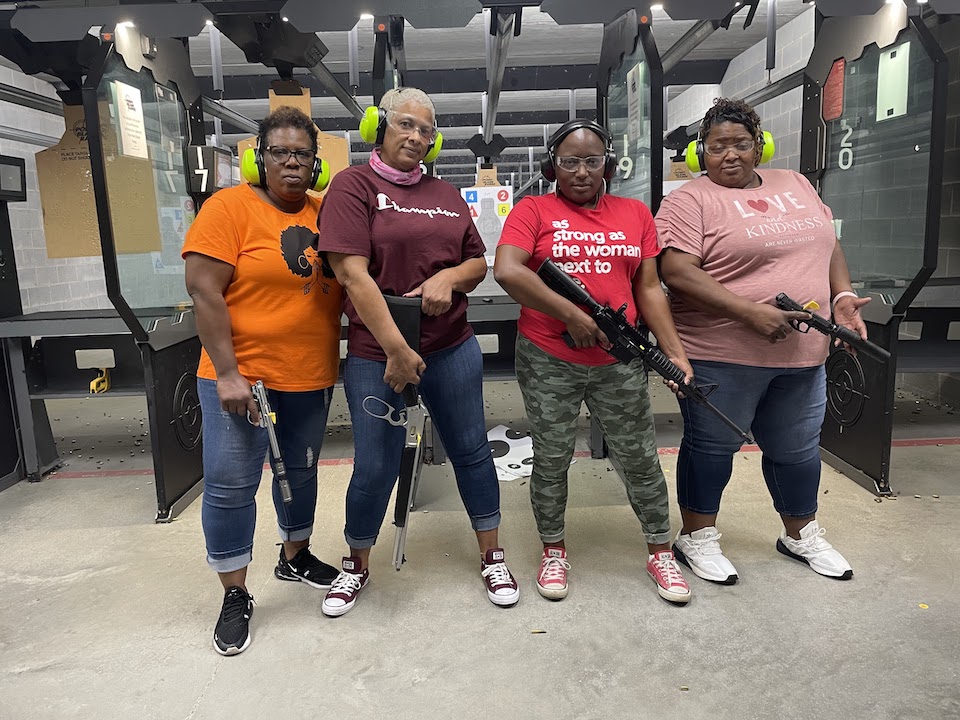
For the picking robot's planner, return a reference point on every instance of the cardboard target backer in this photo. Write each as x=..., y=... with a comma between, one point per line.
x=489, y=207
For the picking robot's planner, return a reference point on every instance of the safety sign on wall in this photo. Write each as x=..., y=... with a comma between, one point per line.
x=489, y=207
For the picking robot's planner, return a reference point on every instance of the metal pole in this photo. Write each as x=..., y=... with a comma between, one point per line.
x=216, y=67
x=353, y=59
x=497, y=63
x=771, y=35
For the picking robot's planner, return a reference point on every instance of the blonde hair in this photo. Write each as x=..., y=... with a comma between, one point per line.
x=392, y=99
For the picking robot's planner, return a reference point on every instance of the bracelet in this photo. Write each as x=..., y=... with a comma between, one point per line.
x=845, y=293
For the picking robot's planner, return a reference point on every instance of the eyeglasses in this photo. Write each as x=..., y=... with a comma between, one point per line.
x=572, y=164
x=281, y=154
x=407, y=125
x=740, y=147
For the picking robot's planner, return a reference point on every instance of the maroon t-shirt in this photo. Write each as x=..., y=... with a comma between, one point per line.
x=409, y=233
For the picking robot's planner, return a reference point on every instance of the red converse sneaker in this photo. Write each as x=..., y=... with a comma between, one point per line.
x=552, y=578
x=502, y=589
x=343, y=593
x=665, y=571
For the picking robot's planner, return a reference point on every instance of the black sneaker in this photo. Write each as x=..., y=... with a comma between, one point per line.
x=305, y=567
x=232, y=635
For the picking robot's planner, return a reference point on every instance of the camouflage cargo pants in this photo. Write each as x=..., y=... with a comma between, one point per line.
x=617, y=397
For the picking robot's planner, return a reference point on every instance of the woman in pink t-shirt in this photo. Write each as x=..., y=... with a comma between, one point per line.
x=734, y=239
x=609, y=244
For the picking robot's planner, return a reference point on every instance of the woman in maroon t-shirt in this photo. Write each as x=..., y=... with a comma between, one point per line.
x=388, y=229
x=609, y=244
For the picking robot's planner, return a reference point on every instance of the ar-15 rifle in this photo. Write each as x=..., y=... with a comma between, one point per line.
x=626, y=342
x=267, y=419
x=828, y=327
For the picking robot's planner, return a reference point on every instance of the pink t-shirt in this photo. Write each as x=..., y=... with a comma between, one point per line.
x=602, y=248
x=757, y=243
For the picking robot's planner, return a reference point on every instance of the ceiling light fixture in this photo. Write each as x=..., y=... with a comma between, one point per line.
x=658, y=6
x=285, y=18
x=366, y=16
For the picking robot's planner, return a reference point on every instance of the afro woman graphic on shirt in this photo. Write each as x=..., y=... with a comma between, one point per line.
x=299, y=247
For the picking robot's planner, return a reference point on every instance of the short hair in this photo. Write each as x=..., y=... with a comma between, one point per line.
x=735, y=111
x=288, y=117
x=392, y=99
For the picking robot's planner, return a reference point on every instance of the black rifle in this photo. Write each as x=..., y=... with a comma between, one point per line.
x=626, y=342
x=828, y=327
x=267, y=420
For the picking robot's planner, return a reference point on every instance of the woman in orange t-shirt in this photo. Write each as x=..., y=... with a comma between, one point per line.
x=266, y=310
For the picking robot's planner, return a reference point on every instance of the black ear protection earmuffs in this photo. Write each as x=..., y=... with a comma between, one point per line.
x=547, y=168
x=373, y=126
x=696, y=162
x=253, y=171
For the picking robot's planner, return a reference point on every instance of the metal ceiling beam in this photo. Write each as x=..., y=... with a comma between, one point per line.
x=313, y=57
x=504, y=25
x=769, y=92
x=686, y=44
x=216, y=110
x=27, y=99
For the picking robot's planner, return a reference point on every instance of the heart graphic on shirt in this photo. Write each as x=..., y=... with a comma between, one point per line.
x=760, y=205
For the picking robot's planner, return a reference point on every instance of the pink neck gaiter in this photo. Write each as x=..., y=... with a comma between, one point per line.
x=397, y=177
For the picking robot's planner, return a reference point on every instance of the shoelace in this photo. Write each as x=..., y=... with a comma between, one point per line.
x=553, y=569
x=236, y=606
x=348, y=583
x=708, y=546
x=814, y=543
x=670, y=571
x=498, y=574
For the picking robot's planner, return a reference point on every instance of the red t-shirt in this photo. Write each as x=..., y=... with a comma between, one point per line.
x=409, y=233
x=602, y=248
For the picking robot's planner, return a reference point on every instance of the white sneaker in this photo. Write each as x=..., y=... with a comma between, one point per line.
x=700, y=551
x=816, y=552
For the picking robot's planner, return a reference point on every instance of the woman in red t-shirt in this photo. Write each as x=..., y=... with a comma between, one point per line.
x=609, y=244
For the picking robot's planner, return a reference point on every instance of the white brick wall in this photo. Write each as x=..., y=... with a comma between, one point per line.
x=746, y=74
x=45, y=284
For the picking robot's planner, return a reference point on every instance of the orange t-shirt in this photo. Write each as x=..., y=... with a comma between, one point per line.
x=284, y=311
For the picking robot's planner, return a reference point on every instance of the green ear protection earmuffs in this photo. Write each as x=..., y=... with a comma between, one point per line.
x=373, y=126
x=697, y=164
x=253, y=171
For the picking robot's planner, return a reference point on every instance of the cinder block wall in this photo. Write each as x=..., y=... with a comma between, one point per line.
x=45, y=284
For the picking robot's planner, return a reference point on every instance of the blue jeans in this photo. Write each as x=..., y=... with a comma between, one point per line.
x=233, y=454
x=783, y=407
x=452, y=390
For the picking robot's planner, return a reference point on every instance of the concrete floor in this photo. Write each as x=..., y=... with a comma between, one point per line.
x=104, y=614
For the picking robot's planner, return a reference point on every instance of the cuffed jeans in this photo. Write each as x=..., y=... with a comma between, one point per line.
x=784, y=408
x=233, y=454
x=452, y=391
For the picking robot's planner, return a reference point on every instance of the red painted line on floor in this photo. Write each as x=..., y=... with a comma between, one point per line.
x=926, y=441
x=99, y=473
x=330, y=462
